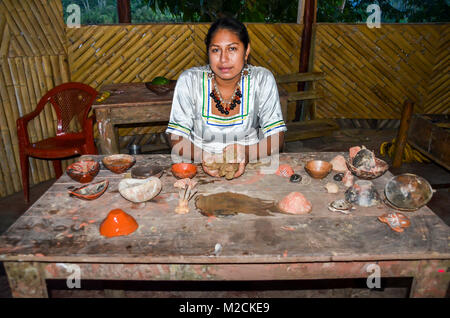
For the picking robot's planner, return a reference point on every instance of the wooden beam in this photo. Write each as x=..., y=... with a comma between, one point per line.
x=310, y=13
x=299, y=77
x=400, y=141
x=124, y=11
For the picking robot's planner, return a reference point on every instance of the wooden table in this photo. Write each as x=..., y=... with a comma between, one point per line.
x=60, y=230
x=129, y=103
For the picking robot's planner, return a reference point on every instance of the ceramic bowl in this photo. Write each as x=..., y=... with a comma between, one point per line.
x=184, y=170
x=318, y=169
x=91, y=191
x=380, y=168
x=140, y=190
x=83, y=171
x=118, y=223
x=408, y=192
x=362, y=193
x=144, y=172
x=119, y=163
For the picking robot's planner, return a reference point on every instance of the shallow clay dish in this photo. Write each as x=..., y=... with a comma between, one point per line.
x=380, y=168
x=119, y=163
x=83, y=171
x=144, y=172
x=184, y=170
x=140, y=190
x=91, y=191
x=408, y=192
x=318, y=169
x=118, y=223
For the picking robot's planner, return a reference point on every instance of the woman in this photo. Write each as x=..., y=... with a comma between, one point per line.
x=219, y=107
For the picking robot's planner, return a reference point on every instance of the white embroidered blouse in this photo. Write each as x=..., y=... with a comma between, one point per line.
x=191, y=115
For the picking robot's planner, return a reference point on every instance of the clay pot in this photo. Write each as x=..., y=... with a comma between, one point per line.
x=83, y=171
x=362, y=193
x=408, y=192
x=144, y=172
x=119, y=163
x=91, y=191
x=184, y=170
x=318, y=169
x=118, y=223
x=140, y=190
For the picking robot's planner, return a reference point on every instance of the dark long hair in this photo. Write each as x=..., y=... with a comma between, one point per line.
x=230, y=24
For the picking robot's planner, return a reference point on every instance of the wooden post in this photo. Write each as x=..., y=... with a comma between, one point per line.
x=301, y=11
x=310, y=13
x=402, y=135
x=124, y=11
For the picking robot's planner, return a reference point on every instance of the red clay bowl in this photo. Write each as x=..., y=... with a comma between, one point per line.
x=119, y=163
x=318, y=169
x=91, y=191
x=118, y=223
x=184, y=170
x=380, y=168
x=83, y=171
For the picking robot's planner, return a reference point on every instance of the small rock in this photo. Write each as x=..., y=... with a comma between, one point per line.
x=332, y=187
x=338, y=177
x=295, y=178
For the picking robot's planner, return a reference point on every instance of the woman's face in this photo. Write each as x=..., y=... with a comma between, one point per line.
x=227, y=54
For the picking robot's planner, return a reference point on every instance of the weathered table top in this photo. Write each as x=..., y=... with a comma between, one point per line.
x=131, y=94
x=61, y=228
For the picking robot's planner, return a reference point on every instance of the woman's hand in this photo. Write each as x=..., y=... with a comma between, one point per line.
x=208, y=160
x=235, y=153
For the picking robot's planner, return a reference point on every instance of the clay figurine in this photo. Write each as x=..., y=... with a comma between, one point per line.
x=396, y=221
x=225, y=168
x=186, y=193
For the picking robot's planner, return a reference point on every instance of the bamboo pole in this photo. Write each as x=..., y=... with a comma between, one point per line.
x=44, y=26
x=4, y=45
x=44, y=44
x=21, y=43
x=48, y=25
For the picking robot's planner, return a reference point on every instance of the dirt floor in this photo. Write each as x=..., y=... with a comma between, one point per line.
x=13, y=206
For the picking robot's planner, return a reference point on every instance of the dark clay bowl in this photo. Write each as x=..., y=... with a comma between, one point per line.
x=184, y=170
x=380, y=168
x=119, y=163
x=144, y=172
x=91, y=191
x=318, y=169
x=161, y=89
x=83, y=171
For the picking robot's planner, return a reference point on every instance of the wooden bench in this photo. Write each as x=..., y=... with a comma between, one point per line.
x=304, y=129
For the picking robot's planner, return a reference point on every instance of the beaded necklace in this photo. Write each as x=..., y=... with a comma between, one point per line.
x=223, y=106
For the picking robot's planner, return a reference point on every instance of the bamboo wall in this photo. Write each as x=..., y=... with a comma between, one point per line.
x=33, y=59
x=370, y=72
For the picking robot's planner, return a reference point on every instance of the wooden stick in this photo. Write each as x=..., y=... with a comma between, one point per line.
x=402, y=136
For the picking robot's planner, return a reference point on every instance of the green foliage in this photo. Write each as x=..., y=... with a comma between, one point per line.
x=269, y=11
x=392, y=11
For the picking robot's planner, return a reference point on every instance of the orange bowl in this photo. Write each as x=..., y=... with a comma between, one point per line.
x=318, y=169
x=83, y=171
x=184, y=170
x=119, y=163
x=118, y=223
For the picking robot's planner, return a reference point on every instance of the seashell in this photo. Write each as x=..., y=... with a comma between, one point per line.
x=364, y=159
x=140, y=190
x=332, y=187
x=396, y=221
x=295, y=203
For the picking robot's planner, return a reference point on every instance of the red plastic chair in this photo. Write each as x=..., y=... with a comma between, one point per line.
x=68, y=100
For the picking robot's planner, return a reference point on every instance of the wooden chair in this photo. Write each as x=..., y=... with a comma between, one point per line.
x=69, y=100
x=304, y=129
